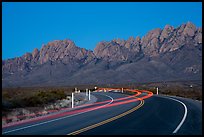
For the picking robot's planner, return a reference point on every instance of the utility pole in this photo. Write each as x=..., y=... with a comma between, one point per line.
x=72, y=100
x=89, y=95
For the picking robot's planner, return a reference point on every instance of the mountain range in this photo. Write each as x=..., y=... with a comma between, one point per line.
x=161, y=55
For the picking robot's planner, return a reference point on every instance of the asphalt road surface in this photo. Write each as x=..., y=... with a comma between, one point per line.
x=118, y=113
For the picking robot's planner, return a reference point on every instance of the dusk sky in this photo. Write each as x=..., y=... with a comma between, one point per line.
x=29, y=25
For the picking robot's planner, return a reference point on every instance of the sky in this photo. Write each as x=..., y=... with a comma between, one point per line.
x=28, y=25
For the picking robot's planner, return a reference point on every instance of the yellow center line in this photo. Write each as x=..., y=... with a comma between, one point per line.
x=108, y=120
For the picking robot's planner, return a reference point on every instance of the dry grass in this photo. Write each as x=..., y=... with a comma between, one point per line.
x=25, y=103
x=34, y=97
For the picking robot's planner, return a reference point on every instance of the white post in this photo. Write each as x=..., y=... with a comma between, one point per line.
x=122, y=90
x=157, y=90
x=79, y=91
x=72, y=100
x=89, y=95
x=86, y=92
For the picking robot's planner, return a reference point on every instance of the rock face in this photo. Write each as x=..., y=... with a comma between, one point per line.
x=189, y=29
x=64, y=51
x=118, y=50
x=162, y=54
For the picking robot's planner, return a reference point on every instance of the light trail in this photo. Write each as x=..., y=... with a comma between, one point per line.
x=149, y=94
x=85, y=105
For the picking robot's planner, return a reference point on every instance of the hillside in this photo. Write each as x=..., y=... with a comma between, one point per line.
x=161, y=55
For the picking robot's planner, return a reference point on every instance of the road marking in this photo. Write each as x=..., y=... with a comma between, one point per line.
x=58, y=118
x=184, y=117
x=108, y=120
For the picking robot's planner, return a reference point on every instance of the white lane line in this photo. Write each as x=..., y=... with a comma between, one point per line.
x=184, y=117
x=34, y=125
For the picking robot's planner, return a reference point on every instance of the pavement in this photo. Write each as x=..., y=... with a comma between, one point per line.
x=114, y=113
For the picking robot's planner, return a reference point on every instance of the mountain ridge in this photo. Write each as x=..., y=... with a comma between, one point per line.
x=172, y=49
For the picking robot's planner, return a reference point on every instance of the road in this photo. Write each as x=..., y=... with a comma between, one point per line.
x=118, y=113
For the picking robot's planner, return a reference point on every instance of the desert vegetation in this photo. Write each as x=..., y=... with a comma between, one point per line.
x=31, y=102
x=24, y=103
x=28, y=97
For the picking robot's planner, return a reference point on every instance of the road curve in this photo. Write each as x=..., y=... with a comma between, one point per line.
x=160, y=115
x=107, y=106
x=117, y=113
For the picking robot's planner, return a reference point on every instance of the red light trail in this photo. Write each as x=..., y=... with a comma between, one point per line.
x=92, y=106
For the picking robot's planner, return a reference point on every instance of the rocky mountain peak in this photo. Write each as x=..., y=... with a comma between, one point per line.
x=35, y=54
x=138, y=39
x=168, y=27
x=178, y=48
x=27, y=56
x=131, y=39
x=64, y=50
x=198, y=36
x=189, y=29
x=166, y=32
x=155, y=42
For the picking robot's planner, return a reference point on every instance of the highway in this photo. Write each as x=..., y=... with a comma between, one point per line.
x=120, y=114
